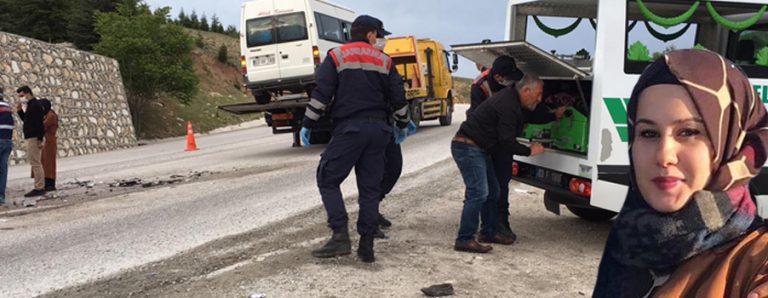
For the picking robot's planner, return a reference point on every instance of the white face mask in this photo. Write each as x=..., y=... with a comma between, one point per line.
x=380, y=43
x=23, y=100
x=507, y=83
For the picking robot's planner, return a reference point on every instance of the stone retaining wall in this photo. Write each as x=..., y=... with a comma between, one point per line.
x=86, y=91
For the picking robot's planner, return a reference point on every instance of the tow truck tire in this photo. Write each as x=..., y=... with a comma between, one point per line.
x=415, y=113
x=262, y=97
x=446, y=120
x=591, y=214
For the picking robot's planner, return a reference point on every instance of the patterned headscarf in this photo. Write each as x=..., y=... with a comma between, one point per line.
x=736, y=123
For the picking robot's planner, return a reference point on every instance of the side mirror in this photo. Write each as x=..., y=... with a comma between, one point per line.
x=455, y=59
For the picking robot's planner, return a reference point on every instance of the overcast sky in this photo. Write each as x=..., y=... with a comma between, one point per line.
x=448, y=21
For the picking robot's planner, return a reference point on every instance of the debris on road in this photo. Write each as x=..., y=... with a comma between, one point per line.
x=29, y=202
x=439, y=290
x=126, y=182
x=78, y=183
x=258, y=295
x=173, y=179
x=161, y=182
x=76, y=190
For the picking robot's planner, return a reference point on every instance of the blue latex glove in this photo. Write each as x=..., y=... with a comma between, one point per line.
x=304, y=133
x=411, y=127
x=400, y=134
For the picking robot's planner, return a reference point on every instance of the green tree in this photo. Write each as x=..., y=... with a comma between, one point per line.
x=638, y=52
x=182, y=18
x=232, y=31
x=223, y=55
x=154, y=55
x=584, y=54
x=216, y=25
x=55, y=20
x=41, y=19
x=7, y=7
x=194, y=22
x=204, y=24
x=762, y=57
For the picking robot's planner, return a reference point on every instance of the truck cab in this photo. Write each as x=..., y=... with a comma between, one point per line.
x=586, y=165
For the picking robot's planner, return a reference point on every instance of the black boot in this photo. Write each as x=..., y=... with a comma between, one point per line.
x=504, y=228
x=338, y=245
x=50, y=184
x=380, y=234
x=365, y=249
x=383, y=222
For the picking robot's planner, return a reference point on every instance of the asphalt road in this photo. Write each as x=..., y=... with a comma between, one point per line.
x=260, y=180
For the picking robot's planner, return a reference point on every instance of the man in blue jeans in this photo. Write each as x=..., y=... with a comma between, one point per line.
x=493, y=125
x=6, y=143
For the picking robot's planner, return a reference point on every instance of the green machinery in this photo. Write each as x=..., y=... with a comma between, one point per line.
x=570, y=133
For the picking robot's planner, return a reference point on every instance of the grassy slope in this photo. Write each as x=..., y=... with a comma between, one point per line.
x=461, y=86
x=219, y=84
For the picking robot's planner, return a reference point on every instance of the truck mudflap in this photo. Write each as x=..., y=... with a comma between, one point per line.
x=297, y=101
x=529, y=58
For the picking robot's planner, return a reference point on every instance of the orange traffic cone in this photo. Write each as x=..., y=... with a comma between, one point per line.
x=191, y=145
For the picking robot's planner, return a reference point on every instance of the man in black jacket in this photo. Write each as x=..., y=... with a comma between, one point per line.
x=493, y=125
x=504, y=73
x=33, y=136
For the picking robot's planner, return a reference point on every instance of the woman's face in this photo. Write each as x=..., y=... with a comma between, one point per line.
x=671, y=152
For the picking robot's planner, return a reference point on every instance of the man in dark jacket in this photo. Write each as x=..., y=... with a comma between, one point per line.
x=502, y=74
x=33, y=136
x=359, y=80
x=493, y=125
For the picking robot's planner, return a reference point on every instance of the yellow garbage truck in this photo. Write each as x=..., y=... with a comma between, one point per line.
x=426, y=67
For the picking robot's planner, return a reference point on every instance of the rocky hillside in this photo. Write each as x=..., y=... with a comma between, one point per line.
x=219, y=84
x=462, y=87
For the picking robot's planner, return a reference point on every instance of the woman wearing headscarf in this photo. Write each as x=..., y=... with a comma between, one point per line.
x=688, y=227
x=48, y=158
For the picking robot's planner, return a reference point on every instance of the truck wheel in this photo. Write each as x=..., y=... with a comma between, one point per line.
x=446, y=120
x=262, y=97
x=416, y=113
x=591, y=214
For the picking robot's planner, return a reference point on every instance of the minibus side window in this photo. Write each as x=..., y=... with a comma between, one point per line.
x=331, y=29
x=347, y=27
x=646, y=41
x=749, y=49
x=739, y=41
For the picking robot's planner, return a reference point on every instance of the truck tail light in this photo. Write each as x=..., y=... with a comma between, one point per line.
x=316, y=54
x=243, y=66
x=282, y=116
x=581, y=187
x=515, y=169
x=280, y=123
